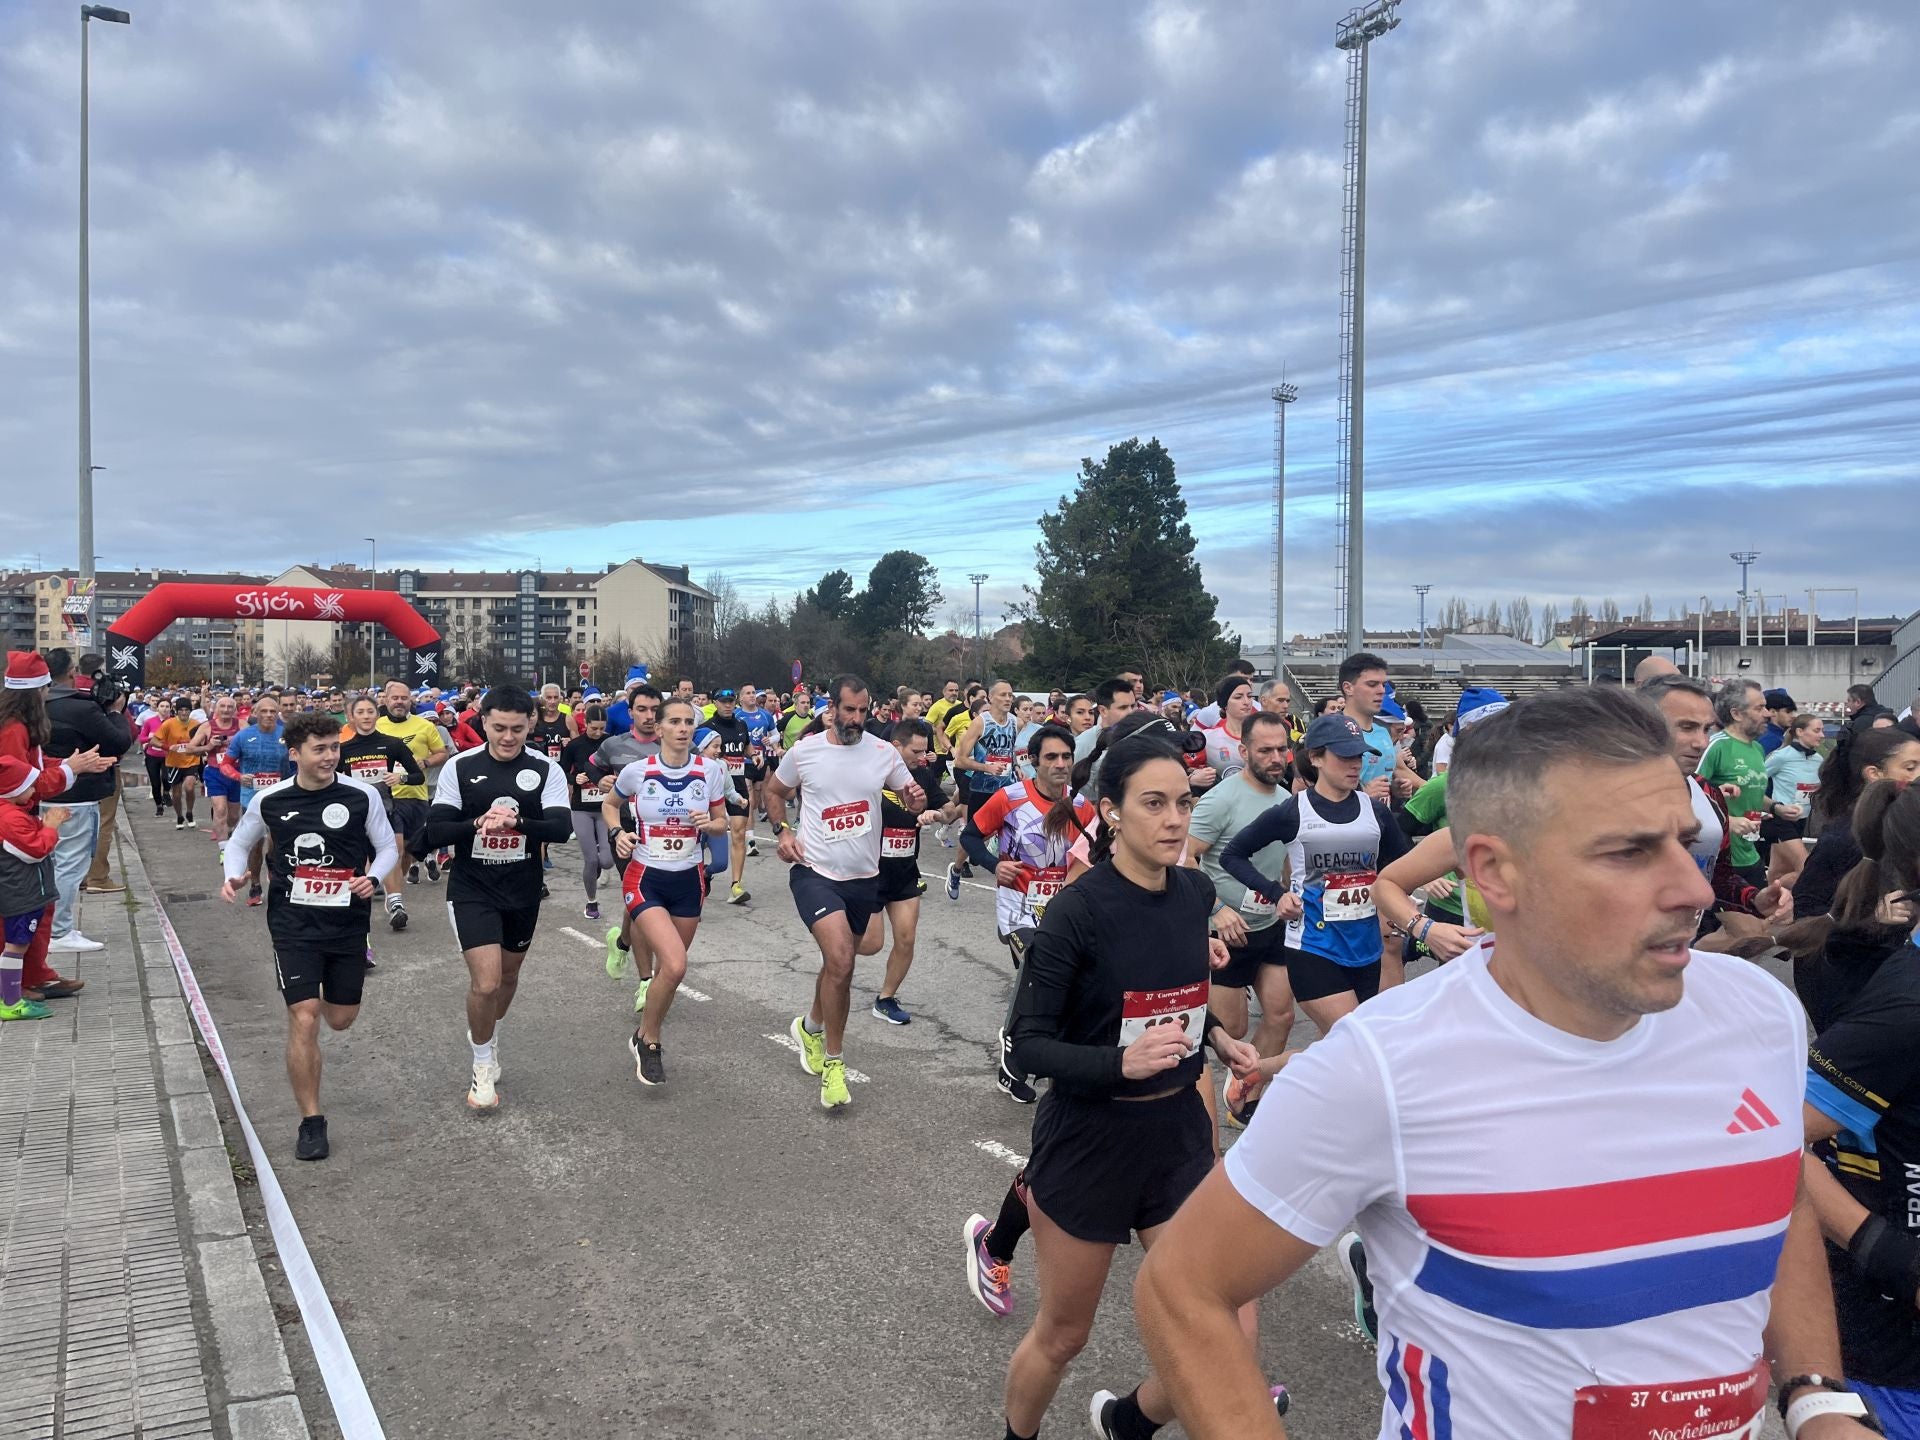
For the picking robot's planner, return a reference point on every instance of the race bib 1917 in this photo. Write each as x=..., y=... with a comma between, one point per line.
x=320, y=885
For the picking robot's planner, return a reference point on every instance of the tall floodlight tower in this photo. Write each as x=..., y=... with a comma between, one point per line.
x=1283, y=396
x=1744, y=559
x=1354, y=34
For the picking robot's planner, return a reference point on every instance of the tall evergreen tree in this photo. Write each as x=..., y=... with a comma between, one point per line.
x=1119, y=587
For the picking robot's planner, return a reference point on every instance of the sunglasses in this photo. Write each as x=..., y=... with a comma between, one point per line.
x=723, y=694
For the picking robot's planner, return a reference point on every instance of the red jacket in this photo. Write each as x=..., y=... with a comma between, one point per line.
x=23, y=836
x=55, y=779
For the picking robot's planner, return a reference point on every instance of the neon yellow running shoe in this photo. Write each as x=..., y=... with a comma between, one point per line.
x=833, y=1085
x=24, y=1009
x=618, y=960
x=640, y=995
x=813, y=1048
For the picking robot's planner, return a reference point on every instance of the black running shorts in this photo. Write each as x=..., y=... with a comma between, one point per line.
x=476, y=923
x=1104, y=1169
x=900, y=880
x=815, y=897
x=1263, y=947
x=307, y=972
x=1315, y=977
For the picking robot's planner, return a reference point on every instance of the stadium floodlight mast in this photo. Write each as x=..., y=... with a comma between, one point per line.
x=1744, y=559
x=1421, y=591
x=1283, y=396
x=1355, y=32
x=87, y=467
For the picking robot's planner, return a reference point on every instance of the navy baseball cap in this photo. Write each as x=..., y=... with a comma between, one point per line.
x=1779, y=700
x=1337, y=733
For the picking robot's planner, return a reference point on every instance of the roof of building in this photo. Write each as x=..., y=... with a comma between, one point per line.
x=1678, y=634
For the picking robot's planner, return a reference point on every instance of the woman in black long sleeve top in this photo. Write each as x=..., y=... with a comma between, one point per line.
x=1113, y=1012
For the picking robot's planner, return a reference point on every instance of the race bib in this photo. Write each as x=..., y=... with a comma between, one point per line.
x=365, y=767
x=1044, y=885
x=1348, y=897
x=1732, y=1406
x=1807, y=787
x=899, y=844
x=849, y=821
x=589, y=793
x=500, y=849
x=260, y=782
x=1257, y=907
x=321, y=886
x=736, y=764
x=671, y=840
x=1186, y=1007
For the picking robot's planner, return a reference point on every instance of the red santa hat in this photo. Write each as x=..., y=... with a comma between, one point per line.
x=16, y=777
x=26, y=670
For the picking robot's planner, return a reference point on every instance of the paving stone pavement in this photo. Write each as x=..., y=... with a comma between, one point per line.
x=131, y=1299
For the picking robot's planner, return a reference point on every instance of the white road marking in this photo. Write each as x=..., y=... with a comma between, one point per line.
x=685, y=989
x=935, y=879
x=794, y=1045
x=1001, y=1152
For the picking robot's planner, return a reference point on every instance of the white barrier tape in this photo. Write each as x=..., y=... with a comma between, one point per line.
x=352, y=1407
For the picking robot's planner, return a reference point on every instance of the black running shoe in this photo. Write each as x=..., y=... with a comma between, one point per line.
x=433, y=868
x=1014, y=1087
x=647, y=1068
x=1100, y=1412
x=397, y=916
x=312, y=1144
x=413, y=874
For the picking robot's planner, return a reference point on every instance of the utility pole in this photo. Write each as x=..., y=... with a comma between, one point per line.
x=978, y=581
x=1421, y=591
x=1283, y=396
x=1354, y=34
x=1744, y=559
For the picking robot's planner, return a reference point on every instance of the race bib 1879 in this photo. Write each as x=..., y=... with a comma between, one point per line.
x=1185, y=1006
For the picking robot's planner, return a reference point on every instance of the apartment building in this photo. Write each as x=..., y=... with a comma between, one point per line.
x=32, y=606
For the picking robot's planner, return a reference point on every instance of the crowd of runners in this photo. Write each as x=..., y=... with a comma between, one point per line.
x=1572, y=1146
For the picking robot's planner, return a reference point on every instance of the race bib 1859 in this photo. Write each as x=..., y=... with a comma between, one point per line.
x=1185, y=1006
x=899, y=844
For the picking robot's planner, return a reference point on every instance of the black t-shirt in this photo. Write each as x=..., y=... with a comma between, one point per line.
x=735, y=742
x=573, y=761
x=1864, y=1070
x=1827, y=865
x=1108, y=960
x=317, y=840
x=899, y=826
x=365, y=756
x=549, y=737
x=498, y=870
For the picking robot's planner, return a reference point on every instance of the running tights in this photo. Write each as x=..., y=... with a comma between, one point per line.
x=596, y=850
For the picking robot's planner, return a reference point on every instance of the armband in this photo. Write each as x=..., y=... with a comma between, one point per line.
x=1888, y=1257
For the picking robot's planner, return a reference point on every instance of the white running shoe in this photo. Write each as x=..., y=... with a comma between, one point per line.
x=73, y=942
x=481, y=1095
x=497, y=1071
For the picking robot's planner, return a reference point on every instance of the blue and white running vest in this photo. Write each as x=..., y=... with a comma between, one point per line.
x=1333, y=868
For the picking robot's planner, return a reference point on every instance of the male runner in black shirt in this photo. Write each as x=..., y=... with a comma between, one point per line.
x=494, y=807
x=329, y=846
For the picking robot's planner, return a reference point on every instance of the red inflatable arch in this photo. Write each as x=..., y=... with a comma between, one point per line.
x=127, y=641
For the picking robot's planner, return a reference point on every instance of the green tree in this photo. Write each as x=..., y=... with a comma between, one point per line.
x=1119, y=586
x=833, y=596
x=902, y=590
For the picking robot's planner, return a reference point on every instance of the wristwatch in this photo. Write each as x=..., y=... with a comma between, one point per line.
x=1825, y=1396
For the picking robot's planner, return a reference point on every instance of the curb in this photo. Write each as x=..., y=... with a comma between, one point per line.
x=255, y=1377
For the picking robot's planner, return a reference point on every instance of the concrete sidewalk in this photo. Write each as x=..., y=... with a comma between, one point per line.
x=131, y=1296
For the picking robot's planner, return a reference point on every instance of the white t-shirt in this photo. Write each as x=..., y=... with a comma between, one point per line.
x=1547, y=1216
x=1442, y=751
x=840, y=789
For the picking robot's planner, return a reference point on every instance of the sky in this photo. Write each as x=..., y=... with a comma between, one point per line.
x=767, y=289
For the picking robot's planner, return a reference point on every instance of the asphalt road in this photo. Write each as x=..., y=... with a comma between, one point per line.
x=715, y=1257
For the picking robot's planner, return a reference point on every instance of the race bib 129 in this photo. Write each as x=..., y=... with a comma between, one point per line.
x=1184, y=1006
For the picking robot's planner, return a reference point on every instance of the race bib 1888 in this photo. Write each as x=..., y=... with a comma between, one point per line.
x=500, y=849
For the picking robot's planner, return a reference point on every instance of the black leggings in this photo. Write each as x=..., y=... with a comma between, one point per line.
x=156, y=777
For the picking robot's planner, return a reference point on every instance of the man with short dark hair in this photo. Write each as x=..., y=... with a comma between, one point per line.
x=835, y=854
x=1780, y=712
x=1385, y=772
x=80, y=723
x=1113, y=701
x=1860, y=697
x=327, y=848
x=1658, y=1087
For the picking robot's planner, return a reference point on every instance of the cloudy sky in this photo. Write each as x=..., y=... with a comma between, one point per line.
x=767, y=288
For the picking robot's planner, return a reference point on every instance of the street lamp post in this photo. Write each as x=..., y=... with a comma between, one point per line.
x=113, y=17
x=373, y=583
x=978, y=581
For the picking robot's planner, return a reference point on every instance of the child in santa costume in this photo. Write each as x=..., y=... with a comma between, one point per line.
x=26, y=880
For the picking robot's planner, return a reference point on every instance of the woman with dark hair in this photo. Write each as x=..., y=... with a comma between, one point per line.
x=1113, y=1012
x=1862, y=1115
x=1859, y=758
x=24, y=729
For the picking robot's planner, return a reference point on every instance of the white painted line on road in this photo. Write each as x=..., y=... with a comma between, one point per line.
x=1001, y=1152
x=794, y=1045
x=939, y=878
x=685, y=989
x=352, y=1407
